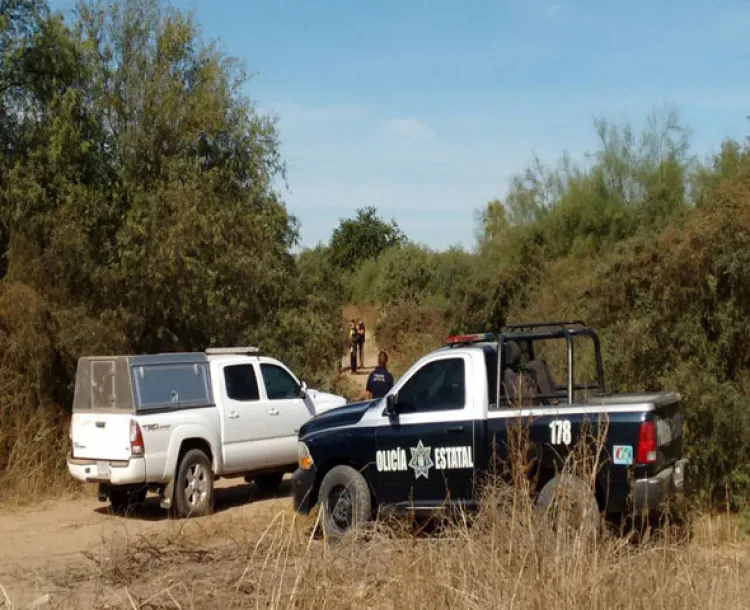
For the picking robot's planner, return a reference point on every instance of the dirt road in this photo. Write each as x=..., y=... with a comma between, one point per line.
x=56, y=535
x=358, y=380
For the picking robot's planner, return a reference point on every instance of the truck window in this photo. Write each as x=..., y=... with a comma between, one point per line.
x=241, y=382
x=439, y=385
x=166, y=385
x=490, y=363
x=280, y=385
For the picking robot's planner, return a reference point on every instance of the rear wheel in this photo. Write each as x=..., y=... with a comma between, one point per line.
x=194, y=486
x=345, y=501
x=268, y=482
x=568, y=503
x=122, y=500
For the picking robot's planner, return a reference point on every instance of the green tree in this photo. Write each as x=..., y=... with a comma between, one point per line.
x=34, y=59
x=405, y=275
x=362, y=238
x=151, y=169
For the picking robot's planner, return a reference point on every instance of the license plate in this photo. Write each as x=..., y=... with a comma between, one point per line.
x=103, y=469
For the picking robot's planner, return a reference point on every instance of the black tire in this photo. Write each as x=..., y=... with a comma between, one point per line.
x=570, y=504
x=194, y=485
x=123, y=500
x=345, y=501
x=268, y=483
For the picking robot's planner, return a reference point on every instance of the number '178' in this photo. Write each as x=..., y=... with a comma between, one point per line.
x=560, y=432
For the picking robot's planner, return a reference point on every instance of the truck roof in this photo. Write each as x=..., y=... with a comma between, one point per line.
x=129, y=383
x=181, y=357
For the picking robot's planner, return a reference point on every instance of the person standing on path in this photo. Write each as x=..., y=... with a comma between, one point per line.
x=380, y=380
x=361, y=344
x=354, y=340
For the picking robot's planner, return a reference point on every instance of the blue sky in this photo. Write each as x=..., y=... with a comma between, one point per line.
x=426, y=109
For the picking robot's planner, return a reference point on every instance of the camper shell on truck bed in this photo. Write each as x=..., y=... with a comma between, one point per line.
x=143, y=384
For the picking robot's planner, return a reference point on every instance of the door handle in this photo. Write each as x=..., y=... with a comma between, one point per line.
x=233, y=415
x=455, y=429
x=273, y=411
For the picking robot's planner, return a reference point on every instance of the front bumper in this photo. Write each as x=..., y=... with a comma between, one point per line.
x=649, y=494
x=303, y=486
x=126, y=472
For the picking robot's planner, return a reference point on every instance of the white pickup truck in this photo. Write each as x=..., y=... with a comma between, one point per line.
x=174, y=423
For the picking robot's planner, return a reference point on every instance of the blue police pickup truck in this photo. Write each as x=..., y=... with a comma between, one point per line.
x=446, y=423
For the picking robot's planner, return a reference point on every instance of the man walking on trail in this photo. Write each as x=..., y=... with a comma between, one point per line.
x=361, y=344
x=380, y=380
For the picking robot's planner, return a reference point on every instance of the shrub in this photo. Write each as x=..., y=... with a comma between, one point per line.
x=407, y=332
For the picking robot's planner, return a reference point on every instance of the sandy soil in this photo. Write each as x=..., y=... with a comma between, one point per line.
x=56, y=537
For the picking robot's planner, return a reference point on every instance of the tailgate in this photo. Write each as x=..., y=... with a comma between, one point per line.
x=668, y=419
x=101, y=436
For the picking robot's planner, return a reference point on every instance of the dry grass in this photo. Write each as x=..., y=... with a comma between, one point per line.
x=505, y=556
x=33, y=431
x=502, y=558
x=408, y=332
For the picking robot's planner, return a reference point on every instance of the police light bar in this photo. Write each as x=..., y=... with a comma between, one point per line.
x=474, y=338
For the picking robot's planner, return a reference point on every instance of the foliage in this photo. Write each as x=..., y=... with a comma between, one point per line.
x=407, y=332
x=136, y=202
x=647, y=245
x=413, y=274
x=137, y=212
x=672, y=309
x=362, y=238
x=155, y=177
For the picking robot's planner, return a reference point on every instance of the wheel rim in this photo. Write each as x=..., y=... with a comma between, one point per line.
x=568, y=511
x=196, y=485
x=340, y=504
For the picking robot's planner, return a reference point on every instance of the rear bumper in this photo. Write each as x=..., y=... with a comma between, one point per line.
x=126, y=472
x=303, y=485
x=649, y=494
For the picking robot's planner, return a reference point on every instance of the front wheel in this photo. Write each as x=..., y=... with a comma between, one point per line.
x=345, y=501
x=194, y=487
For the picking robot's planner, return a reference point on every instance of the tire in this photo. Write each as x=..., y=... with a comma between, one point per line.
x=122, y=500
x=194, y=485
x=268, y=483
x=570, y=504
x=345, y=501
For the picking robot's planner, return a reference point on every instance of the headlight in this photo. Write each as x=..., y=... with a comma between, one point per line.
x=304, y=459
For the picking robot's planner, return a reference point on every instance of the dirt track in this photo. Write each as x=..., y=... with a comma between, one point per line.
x=359, y=379
x=55, y=536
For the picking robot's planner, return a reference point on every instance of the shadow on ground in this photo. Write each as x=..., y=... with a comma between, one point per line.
x=225, y=499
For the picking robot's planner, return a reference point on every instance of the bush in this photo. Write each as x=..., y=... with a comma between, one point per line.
x=408, y=332
x=673, y=311
x=32, y=439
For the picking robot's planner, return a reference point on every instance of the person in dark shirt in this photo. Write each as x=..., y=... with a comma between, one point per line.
x=361, y=344
x=380, y=380
x=354, y=340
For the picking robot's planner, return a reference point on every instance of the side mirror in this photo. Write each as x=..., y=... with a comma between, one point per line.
x=391, y=404
x=303, y=390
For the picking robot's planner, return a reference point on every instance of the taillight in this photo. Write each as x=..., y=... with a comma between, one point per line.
x=70, y=438
x=646, y=453
x=136, y=439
